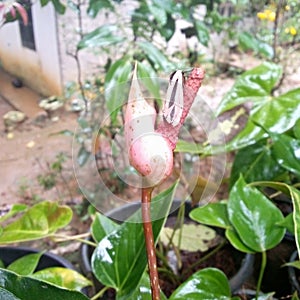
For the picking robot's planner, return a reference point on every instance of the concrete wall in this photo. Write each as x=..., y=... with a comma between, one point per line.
x=39, y=69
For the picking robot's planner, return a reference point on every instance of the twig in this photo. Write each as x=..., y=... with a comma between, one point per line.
x=149, y=240
x=275, y=28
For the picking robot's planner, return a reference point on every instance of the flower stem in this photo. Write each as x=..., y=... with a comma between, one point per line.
x=149, y=240
x=261, y=272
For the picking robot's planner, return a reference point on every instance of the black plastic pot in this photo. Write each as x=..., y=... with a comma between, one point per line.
x=124, y=212
x=47, y=260
x=294, y=274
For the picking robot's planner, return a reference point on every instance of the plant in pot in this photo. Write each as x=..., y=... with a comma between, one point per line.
x=27, y=273
x=119, y=259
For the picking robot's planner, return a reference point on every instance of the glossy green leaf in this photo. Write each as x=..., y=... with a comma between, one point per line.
x=253, y=85
x=184, y=146
x=255, y=163
x=286, y=151
x=95, y=6
x=254, y=217
x=116, y=88
x=27, y=288
x=295, y=264
x=213, y=214
x=288, y=223
x=6, y=295
x=202, y=33
x=101, y=37
x=296, y=129
x=143, y=291
x=295, y=196
x=159, y=14
x=158, y=59
x=62, y=277
x=119, y=260
x=25, y=265
x=39, y=221
x=208, y=284
x=102, y=226
x=149, y=79
x=236, y=241
x=248, y=136
x=278, y=114
x=16, y=208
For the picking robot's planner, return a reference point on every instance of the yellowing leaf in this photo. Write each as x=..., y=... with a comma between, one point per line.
x=193, y=237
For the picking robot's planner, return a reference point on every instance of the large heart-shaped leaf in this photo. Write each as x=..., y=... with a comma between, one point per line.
x=278, y=114
x=27, y=288
x=253, y=85
x=254, y=217
x=286, y=151
x=208, y=284
x=256, y=163
x=39, y=221
x=119, y=260
x=295, y=196
x=101, y=37
x=62, y=277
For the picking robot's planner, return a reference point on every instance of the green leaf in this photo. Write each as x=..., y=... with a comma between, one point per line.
x=208, y=284
x=190, y=237
x=202, y=32
x=62, y=277
x=254, y=217
x=26, y=264
x=295, y=195
x=119, y=260
x=213, y=214
x=116, y=90
x=142, y=292
x=148, y=77
x=248, y=41
x=16, y=208
x=255, y=163
x=253, y=85
x=295, y=264
x=236, y=241
x=96, y=5
x=59, y=7
x=82, y=156
x=27, y=288
x=296, y=129
x=286, y=151
x=102, y=226
x=101, y=37
x=288, y=223
x=6, y=295
x=278, y=114
x=39, y=221
x=158, y=13
x=158, y=59
x=184, y=146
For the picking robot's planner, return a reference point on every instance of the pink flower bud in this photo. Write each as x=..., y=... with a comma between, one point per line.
x=149, y=152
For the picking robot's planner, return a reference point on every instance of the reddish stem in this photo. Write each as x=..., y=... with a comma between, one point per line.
x=149, y=240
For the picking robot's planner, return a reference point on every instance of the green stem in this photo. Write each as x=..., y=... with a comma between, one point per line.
x=261, y=272
x=100, y=293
